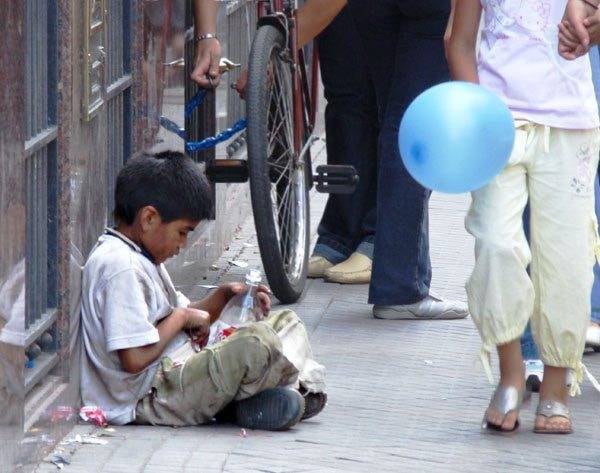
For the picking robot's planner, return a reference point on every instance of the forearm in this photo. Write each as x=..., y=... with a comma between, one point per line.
x=215, y=301
x=205, y=16
x=461, y=40
x=212, y=304
x=314, y=16
x=448, y=31
x=135, y=360
x=462, y=62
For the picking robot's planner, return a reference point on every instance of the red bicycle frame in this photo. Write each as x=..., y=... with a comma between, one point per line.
x=305, y=100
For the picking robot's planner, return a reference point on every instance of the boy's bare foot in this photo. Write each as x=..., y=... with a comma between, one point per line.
x=553, y=416
x=503, y=411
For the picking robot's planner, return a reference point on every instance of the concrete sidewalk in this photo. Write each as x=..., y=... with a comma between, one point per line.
x=404, y=396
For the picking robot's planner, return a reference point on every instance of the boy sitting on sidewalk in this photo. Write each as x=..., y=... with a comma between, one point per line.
x=137, y=360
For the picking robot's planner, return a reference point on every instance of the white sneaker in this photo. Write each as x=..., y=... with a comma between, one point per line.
x=534, y=374
x=592, y=337
x=430, y=308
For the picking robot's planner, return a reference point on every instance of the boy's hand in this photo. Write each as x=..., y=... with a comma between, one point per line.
x=197, y=322
x=216, y=301
x=225, y=292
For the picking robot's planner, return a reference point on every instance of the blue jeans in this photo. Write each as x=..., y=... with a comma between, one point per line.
x=528, y=346
x=348, y=223
x=403, y=42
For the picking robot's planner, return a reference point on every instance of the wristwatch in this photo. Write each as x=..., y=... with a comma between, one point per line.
x=204, y=36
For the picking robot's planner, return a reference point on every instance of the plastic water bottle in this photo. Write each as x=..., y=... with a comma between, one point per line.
x=240, y=311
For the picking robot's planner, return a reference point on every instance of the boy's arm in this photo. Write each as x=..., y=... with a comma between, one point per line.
x=460, y=46
x=314, y=16
x=208, y=50
x=135, y=360
x=218, y=299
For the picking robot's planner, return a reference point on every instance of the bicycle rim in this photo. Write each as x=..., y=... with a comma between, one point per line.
x=277, y=180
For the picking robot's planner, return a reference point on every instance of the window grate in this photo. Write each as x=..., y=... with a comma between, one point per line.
x=119, y=102
x=41, y=186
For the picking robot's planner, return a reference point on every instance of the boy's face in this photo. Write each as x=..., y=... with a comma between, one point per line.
x=165, y=240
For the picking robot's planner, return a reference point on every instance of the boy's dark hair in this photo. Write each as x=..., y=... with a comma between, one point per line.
x=169, y=181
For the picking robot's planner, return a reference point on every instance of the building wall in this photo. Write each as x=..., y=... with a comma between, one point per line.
x=88, y=155
x=12, y=232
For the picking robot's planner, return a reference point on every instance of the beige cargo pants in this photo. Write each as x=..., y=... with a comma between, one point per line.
x=555, y=170
x=190, y=388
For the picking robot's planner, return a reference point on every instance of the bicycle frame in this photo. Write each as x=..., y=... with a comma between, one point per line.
x=305, y=100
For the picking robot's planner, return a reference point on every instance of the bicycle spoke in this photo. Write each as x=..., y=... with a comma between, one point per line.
x=282, y=175
x=288, y=229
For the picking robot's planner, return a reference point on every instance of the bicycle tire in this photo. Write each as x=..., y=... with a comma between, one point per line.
x=283, y=248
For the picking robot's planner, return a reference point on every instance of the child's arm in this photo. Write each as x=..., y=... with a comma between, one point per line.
x=448, y=31
x=216, y=301
x=314, y=16
x=135, y=360
x=460, y=47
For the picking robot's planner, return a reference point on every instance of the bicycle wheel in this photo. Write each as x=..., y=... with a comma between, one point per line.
x=278, y=181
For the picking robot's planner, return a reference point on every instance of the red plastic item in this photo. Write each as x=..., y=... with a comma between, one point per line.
x=93, y=414
x=62, y=414
x=228, y=331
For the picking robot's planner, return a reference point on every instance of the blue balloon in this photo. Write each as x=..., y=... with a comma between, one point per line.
x=455, y=137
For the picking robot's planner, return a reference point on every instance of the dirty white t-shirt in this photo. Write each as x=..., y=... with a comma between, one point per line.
x=124, y=296
x=12, y=306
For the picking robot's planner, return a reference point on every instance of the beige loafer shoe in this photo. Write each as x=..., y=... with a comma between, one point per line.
x=355, y=270
x=317, y=265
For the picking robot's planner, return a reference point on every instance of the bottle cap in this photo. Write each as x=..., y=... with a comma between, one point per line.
x=253, y=277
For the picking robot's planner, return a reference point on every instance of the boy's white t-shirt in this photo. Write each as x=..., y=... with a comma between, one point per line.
x=124, y=296
x=12, y=306
x=518, y=59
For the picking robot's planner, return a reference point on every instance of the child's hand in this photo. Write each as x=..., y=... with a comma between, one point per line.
x=577, y=30
x=569, y=46
x=197, y=322
x=576, y=12
x=263, y=298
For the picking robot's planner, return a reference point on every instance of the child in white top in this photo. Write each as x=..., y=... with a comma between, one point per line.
x=552, y=166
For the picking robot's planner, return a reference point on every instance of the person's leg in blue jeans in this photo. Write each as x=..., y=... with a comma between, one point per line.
x=404, y=47
x=348, y=223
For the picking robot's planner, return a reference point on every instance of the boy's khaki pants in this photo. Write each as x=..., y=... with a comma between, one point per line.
x=190, y=388
x=555, y=169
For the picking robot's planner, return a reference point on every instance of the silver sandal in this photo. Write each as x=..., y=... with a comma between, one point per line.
x=550, y=409
x=505, y=400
